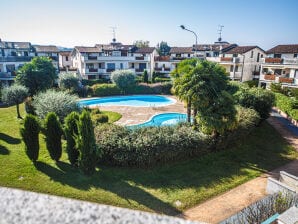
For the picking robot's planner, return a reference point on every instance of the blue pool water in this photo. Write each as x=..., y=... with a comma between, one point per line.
x=131, y=101
x=162, y=120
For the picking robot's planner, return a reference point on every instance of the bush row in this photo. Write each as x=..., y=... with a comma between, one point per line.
x=112, y=89
x=145, y=147
x=287, y=105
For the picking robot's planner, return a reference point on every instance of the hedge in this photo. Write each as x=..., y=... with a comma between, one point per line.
x=105, y=90
x=287, y=105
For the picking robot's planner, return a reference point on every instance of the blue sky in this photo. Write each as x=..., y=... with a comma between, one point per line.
x=265, y=23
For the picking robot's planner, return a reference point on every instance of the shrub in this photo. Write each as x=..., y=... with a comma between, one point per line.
x=59, y=102
x=145, y=77
x=29, y=135
x=15, y=94
x=105, y=90
x=160, y=79
x=99, y=118
x=69, y=81
x=124, y=79
x=87, y=82
x=287, y=105
x=86, y=144
x=257, y=98
x=53, y=133
x=150, y=146
x=252, y=83
x=29, y=106
x=71, y=132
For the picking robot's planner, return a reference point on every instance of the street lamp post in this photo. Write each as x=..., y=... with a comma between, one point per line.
x=183, y=27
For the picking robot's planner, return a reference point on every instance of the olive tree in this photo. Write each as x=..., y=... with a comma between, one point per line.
x=15, y=94
x=69, y=81
x=124, y=79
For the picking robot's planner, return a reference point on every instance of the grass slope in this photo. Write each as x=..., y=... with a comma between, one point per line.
x=190, y=182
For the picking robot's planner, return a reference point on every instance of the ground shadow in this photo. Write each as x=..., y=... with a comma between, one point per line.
x=68, y=175
x=4, y=150
x=10, y=140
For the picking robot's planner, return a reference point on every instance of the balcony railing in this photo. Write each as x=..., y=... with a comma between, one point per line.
x=15, y=58
x=93, y=70
x=140, y=58
x=6, y=76
x=140, y=69
x=92, y=57
x=54, y=58
x=157, y=69
x=290, y=61
x=226, y=59
x=167, y=69
x=273, y=60
x=285, y=80
x=179, y=58
x=110, y=69
x=269, y=77
x=162, y=58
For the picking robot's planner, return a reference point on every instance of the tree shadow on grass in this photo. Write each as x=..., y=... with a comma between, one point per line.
x=68, y=175
x=10, y=140
x=4, y=150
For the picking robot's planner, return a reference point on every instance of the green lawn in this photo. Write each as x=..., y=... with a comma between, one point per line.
x=113, y=116
x=190, y=182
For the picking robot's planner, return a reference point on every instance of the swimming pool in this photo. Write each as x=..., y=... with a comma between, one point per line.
x=165, y=119
x=131, y=101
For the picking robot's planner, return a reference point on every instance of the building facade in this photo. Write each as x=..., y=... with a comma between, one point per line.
x=280, y=66
x=48, y=51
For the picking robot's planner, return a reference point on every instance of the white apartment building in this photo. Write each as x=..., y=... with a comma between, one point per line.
x=242, y=63
x=101, y=60
x=13, y=55
x=280, y=66
x=48, y=51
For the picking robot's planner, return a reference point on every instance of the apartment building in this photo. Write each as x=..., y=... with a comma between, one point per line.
x=48, y=51
x=13, y=55
x=101, y=60
x=280, y=66
x=242, y=63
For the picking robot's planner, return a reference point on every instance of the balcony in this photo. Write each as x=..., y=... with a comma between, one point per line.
x=226, y=59
x=269, y=77
x=15, y=59
x=286, y=80
x=273, y=60
x=167, y=69
x=6, y=76
x=179, y=58
x=235, y=75
x=110, y=69
x=140, y=69
x=291, y=61
x=158, y=69
x=91, y=70
x=162, y=58
x=54, y=58
x=140, y=58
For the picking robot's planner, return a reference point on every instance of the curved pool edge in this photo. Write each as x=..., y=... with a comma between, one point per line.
x=150, y=119
x=172, y=99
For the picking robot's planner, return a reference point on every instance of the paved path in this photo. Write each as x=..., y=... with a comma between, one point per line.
x=229, y=203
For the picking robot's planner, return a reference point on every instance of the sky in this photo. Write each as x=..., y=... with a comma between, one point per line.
x=70, y=23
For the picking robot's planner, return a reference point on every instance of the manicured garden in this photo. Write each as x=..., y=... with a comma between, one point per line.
x=157, y=189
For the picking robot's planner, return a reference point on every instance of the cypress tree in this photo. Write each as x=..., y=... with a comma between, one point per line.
x=29, y=135
x=86, y=143
x=71, y=132
x=53, y=132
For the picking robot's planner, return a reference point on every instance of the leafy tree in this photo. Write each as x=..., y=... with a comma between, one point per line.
x=15, y=94
x=69, y=81
x=86, y=143
x=141, y=43
x=145, y=77
x=62, y=103
x=71, y=132
x=124, y=79
x=29, y=135
x=37, y=75
x=163, y=48
x=53, y=133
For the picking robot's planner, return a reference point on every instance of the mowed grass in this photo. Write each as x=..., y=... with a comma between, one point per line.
x=157, y=190
x=113, y=116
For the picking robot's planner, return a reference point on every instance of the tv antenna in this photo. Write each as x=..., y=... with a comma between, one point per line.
x=219, y=32
x=114, y=33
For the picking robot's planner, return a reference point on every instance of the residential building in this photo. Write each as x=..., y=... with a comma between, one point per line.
x=65, y=62
x=101, y=60
x=280, y=66
x=48, y=51
x=242, y=63
x=13, y=55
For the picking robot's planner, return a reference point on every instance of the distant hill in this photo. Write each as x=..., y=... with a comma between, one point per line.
x=64, y=48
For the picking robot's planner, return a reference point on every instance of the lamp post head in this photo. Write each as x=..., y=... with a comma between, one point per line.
x=182, y=27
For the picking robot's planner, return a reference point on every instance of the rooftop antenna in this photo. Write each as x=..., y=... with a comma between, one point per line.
x=219, y=32
x=114, y=33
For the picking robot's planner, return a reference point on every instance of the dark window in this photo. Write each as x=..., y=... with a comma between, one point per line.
x=231, y=68
x=262, y=56
x=132, y=65
x=295, y=55
x=236, y=68
x=178, y=55
x=252, y=54
x=235, y=55
x=258, y=58
x=99, y=65
x=121, y=65
x=26, y=53
x=10, y=68
x=216, y=54
x=277, y=56
x=111, y=65
x=66, y=58
x=189, y=55
x=13, y=53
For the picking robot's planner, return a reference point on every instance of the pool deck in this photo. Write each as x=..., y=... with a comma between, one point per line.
x=137, y=115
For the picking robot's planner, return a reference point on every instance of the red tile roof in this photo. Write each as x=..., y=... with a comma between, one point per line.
x=45, y=48
x=65, y=53
x=241, y=49
x=181, y=50
x=145, y=50
x=287, y=48
x=82, y=49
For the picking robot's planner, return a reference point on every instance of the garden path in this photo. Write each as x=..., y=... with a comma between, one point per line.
x=229, y=203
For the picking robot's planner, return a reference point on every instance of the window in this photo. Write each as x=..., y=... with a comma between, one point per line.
x=188, y=55
x=90, y=66
x=258, y=58
x=252, y=54
x=13, y=53
x=277, y=56
x=26, y=53
x=235, y=55
x=178, y=55
x=215, y=54
x=121, y=65
x=132, y=65
x=231, y=68
x=10, y=68
x=295, y=55
x=236, y=68
x=111, y=65
x=66, y=58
